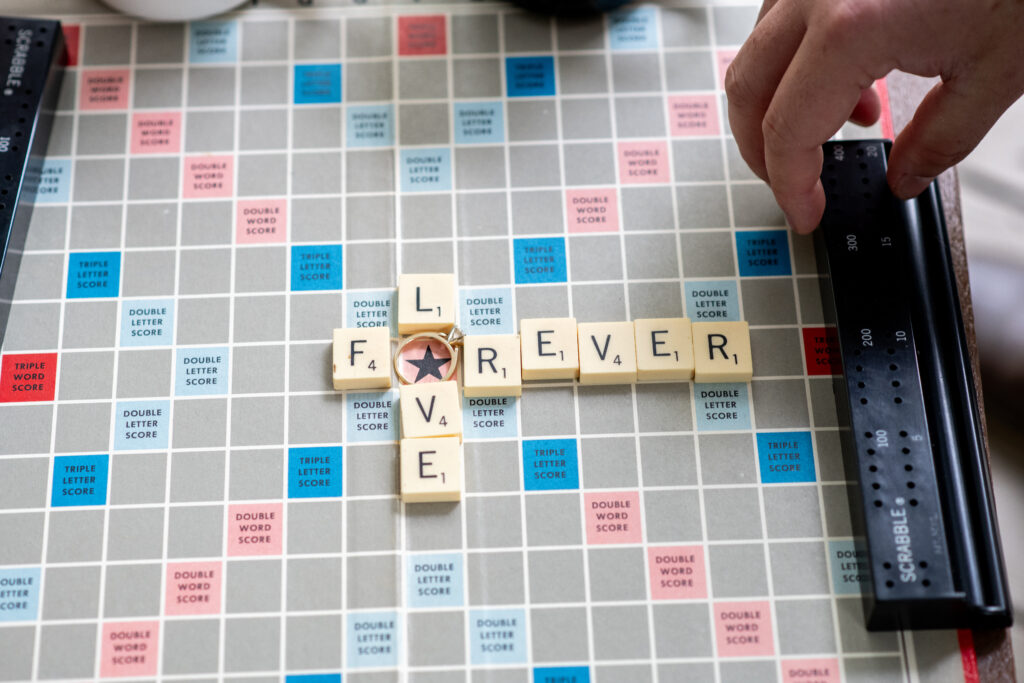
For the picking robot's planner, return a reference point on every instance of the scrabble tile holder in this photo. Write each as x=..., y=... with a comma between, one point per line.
x=27, y=101
x=913, y=444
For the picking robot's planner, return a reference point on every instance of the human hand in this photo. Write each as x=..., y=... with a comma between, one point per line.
x=809, y=65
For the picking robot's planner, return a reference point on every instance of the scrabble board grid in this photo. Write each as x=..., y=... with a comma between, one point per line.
x=126, y=226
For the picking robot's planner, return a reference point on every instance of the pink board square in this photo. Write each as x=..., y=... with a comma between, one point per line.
x=193, y=588
x=255, y=529
x=677, y=572
x=422, y=35
x=592, y=210
x=259, y=221
x=643, y=162
x=209, y=176
x=744, y=629
x=129, y=648
x=723, y=59
x=104, y=89
x=156, y=133
x=690, y=115
x=613, y=517
x=810, y=671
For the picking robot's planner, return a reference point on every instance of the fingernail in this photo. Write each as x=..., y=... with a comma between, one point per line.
x=908, y=186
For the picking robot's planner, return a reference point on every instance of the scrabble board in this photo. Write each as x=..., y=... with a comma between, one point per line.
x=184, y=496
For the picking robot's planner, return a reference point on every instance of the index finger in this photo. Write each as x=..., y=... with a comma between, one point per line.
x=815, y=97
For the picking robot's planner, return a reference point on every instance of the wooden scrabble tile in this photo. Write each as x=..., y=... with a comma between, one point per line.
x=492, y=365
x=431, y=470
x=721, y=352
x=426, y=303
x=549, y=348
x=607, y=353
x=362, y=358
x=664, y=349
x=430, y=409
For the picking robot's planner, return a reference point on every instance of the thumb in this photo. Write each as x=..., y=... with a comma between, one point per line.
x=951, y=120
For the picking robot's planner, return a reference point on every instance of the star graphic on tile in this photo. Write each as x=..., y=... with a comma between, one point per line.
x=428, y=366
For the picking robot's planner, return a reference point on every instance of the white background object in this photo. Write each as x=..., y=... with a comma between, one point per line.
x=173, y=10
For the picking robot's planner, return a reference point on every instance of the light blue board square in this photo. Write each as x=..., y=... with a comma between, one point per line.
x=490, y=417
x=317, y=83
x=435, y=580
x=712, y=301
x=201, y=372
x=372, y=309
x=94, y=274
x=763, y=252
x=722, y=407
x=316, y=267
x=633, y=29
x=561, y=674
x=539, y=259
x=20, y=591
x=372, y=416
x=486, y=310
x=373, y=639
x=54, y=184
x=426, y=170
x=371, y=125
x=80, y=480
x=785, y=457
x=213, y=41
x=141, y=425
x=497, y=636
x=530, y=76
x=850, y=570
x=315, y=472
x=477, y=122
x=147, y=322
x=550, y=464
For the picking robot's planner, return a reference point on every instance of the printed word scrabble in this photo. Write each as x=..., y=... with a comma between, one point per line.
x=271, y=251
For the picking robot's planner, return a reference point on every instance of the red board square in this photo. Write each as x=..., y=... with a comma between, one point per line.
x=821, y=348
x=28, y=377
x=72, y=36
x=422, y=35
